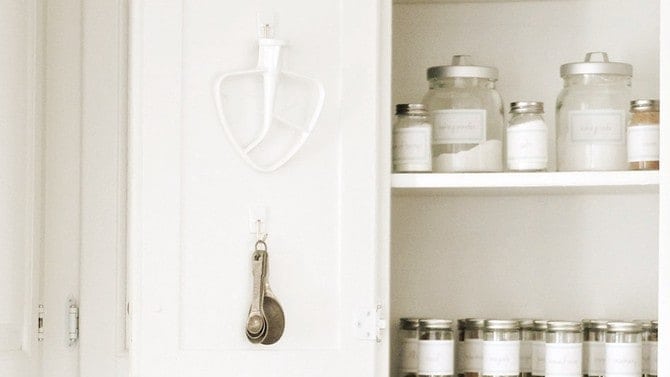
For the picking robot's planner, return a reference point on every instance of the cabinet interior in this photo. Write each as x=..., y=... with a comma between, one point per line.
x=547, y=254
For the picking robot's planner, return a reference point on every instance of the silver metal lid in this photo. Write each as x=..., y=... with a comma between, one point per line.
x=654, y=325
x=595, y=324
x=474, y=323
x=501, y=324
x=524, y=107
x=645, y=323
x=461, y=66
x=628, y=327
x=435, y=324
x=640, y=105
x=540, y=324
x=409, y=323
x=410, y=109
x=591, y=66
x=460, y=323
x=525, y=324
x=564, y=326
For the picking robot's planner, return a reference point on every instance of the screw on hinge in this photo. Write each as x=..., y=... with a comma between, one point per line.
x=73, y=323
x=40, y=323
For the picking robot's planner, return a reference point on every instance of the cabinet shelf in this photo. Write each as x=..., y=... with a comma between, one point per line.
x=525, y=183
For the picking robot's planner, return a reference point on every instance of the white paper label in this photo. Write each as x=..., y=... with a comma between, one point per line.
x=526, y=356
x=412, y=146
x=597, y=126
x=471, y=355
x=459, y=126
x=408, y=355
x=623, y=359
x=645, y=357
x=563, y=359
x=436, y=357
x=643, y=143
x=527, y=143
x=500, y=358
x=653, y=358
x=538, y=362
x=594, y=358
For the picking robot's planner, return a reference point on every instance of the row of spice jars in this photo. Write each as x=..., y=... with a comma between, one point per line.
x=527, y=348
x=459, y=126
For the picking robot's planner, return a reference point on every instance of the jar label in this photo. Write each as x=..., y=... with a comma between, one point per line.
x=643, y=142
x=525, y=356
x=653, y=358
x=538, y=362
x=594, y=358
x=500, y=358
x=527, y=146
x=563, y=359
x=462, y=126
x=597, y=126
x=471, y=355
x=412, y=146
x=408, y=355
x=623, y=359
x=436, y=357
x=645, y=357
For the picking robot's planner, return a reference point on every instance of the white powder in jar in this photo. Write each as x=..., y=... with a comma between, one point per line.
x=486, y=156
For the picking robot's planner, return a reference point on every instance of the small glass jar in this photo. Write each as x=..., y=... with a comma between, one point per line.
x=653, y=349
x=643, y=135
x=467, y=115
x=646, y=330
x=593, y=355
x=539, y=338
x=460, y=348
x=526, y=142
x=472, y=347
x=623, y=349
x=563, y=349
x=591, y=113
x=411, y=139
x=409, y=346
x=436, y=348
x=500, y=351
x=526, y=349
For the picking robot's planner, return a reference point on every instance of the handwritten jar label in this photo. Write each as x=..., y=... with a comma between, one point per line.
x=594, y=358
x=436, y=357
x=463, y=126
x=563, y=359
x=623, y=359
x=412, y=145
x=643, y=143
x=408, y=355
x=525, y=356
x=653, y=358
x=471, y=355
x=597, y=126
x=538, y=362
x=500, y=358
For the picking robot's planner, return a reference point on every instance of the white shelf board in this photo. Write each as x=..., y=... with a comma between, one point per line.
x=524, y=183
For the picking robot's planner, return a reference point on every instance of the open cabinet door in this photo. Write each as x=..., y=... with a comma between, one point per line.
x=19, y=188
x=191, y=235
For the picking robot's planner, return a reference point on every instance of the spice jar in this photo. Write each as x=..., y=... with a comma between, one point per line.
x=591, y=113
x=436, y=348
x=646, y=331
x=563, y=349
x=527, y=137
x=473, y=339
x=411, y=139
x=409, y=344
x=593, y=355
x=643, y=134
x=653, y=349
x=467, y=116
x=623, y=349
x=526, y=348
x=539, y=338
x=500, y=351
x=460, y=348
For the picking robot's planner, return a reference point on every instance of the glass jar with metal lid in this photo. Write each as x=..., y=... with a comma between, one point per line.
x=653, y=349
x=500, y=351
x=643, y=135
x=411, y=139
x=591, y=113
x=646, y=330
x=563, y=349
x=527, y=334
x=473, y=338
x=467, y=115
x=539, y=338
x=460, y=348
x=409, y=346
x=527, y=135
x=593, y=355
x=623, y=349
x=436, y=348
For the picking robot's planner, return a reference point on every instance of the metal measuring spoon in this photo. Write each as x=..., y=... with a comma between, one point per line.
x=256, y=328
x=274, y=315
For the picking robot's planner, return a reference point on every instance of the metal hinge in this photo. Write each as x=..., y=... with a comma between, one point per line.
x=73, y=323
x=369, y=324
x=40, y=323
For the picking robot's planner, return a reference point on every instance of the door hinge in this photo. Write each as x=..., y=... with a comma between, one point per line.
x=40, y=323
x=369, y=324
x=73, y=323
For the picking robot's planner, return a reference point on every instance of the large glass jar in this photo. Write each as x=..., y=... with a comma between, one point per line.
x=591, y=114
x=501, y=347
x=563, y=349
x=467, y=117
